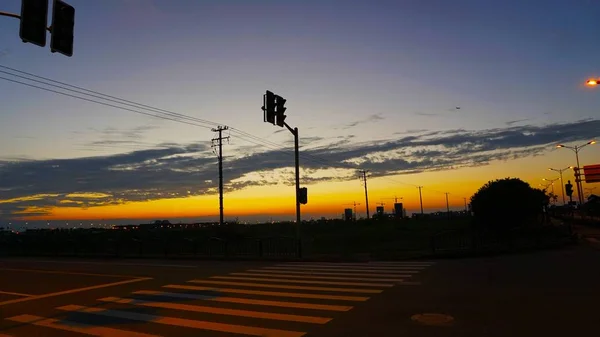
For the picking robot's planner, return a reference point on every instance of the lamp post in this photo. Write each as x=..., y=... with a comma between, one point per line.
x=576, y=149
x=551, y=183
x=562, y=185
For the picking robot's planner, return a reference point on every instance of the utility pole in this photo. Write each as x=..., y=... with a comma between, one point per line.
x=447, y=205
x=219, y=140
x=364, y=178
x=466, y=210
x=420, y=198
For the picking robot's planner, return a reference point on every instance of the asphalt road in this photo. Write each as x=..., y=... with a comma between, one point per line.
x=553, y=293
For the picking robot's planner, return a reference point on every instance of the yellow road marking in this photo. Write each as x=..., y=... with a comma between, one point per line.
x=76, y=327
x=297, y=305
x=326, y=273
x=59, y=272
x=269, y=293
x=303, y=281
x=188, y=323
x=76, y=290
x=323, y=277
x=281, y=286
x=15, y=294
x=344, y=270
x=220, y=311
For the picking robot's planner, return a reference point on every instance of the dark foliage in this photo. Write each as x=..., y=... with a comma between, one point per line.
x=508, y=203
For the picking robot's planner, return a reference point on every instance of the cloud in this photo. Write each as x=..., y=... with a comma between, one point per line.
x=33, y=187
x=370, y=119
x=516, y=121
x=427, y=114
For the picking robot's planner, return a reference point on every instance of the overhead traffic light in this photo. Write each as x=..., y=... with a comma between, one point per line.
x=269, y=107
x=34, y=20
x=569, y=188
x=63, y=24
x=280, y=110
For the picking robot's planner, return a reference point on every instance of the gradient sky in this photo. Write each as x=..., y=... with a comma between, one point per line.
x=371, y=83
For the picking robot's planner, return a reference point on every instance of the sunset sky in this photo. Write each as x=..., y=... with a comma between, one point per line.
x=370, y=84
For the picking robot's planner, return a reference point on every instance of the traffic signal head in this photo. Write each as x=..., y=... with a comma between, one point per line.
x=63, y=24
x=280, y=110
x=569, y=189
x=303, y=195
x=269, y=107
x=34, y=20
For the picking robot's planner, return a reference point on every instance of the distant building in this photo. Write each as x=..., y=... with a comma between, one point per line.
x=398, y=210
x=348, y=215
x=379, y=210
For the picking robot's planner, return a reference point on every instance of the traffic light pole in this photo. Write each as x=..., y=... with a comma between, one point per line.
x=294, y=131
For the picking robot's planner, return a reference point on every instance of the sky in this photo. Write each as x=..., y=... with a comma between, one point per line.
x=441, y=94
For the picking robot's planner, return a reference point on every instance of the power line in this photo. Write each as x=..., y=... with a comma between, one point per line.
x=98, y=102
x=168, y=115
x=171, y=115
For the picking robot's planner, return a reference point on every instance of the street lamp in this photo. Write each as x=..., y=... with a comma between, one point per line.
x=592, y=82
x=551, y=183
x=576, y=149
x=562, y=184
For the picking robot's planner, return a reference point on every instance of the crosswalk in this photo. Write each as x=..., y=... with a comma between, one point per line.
x=281, y=300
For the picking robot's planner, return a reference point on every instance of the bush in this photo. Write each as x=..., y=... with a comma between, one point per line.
x=508, y=203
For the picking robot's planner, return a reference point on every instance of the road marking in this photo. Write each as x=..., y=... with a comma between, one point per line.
x=343, y=270
x=242, y=278
x=322, y=277
x=219, y=311
x=72, y=291
x=281, y=286
x=297, y=305
x=76, y=327
x=67, y=273
x=371, y=264
x=269, y=293
x=353, y=267
x=188, y=323
x=15, y=294
x=116, y=263
x=275, y=271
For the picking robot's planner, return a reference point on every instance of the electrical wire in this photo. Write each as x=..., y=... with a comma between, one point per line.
x=167, y=115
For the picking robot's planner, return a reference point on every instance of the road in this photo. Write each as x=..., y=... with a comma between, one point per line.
x=544, y=293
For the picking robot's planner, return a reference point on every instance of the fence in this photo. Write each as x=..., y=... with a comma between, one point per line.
x=103, y=245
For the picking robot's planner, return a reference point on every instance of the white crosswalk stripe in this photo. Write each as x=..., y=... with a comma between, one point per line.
x=297, y=293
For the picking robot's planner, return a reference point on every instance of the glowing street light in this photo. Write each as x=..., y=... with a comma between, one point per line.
x=576, y=149
x=562, y=184
x=592, y=82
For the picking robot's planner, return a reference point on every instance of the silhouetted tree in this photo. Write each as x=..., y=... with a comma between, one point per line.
x=508, y=203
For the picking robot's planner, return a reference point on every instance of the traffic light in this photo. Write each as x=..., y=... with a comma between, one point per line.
x=269, y=107
x=63, y=24
x=34, y=20
x=280, y=110
x=569, y=188
x=303, y=195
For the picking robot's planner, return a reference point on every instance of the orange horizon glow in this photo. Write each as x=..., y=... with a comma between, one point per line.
x=331, y=198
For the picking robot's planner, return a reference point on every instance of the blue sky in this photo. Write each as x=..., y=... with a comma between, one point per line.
x=393, y=66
